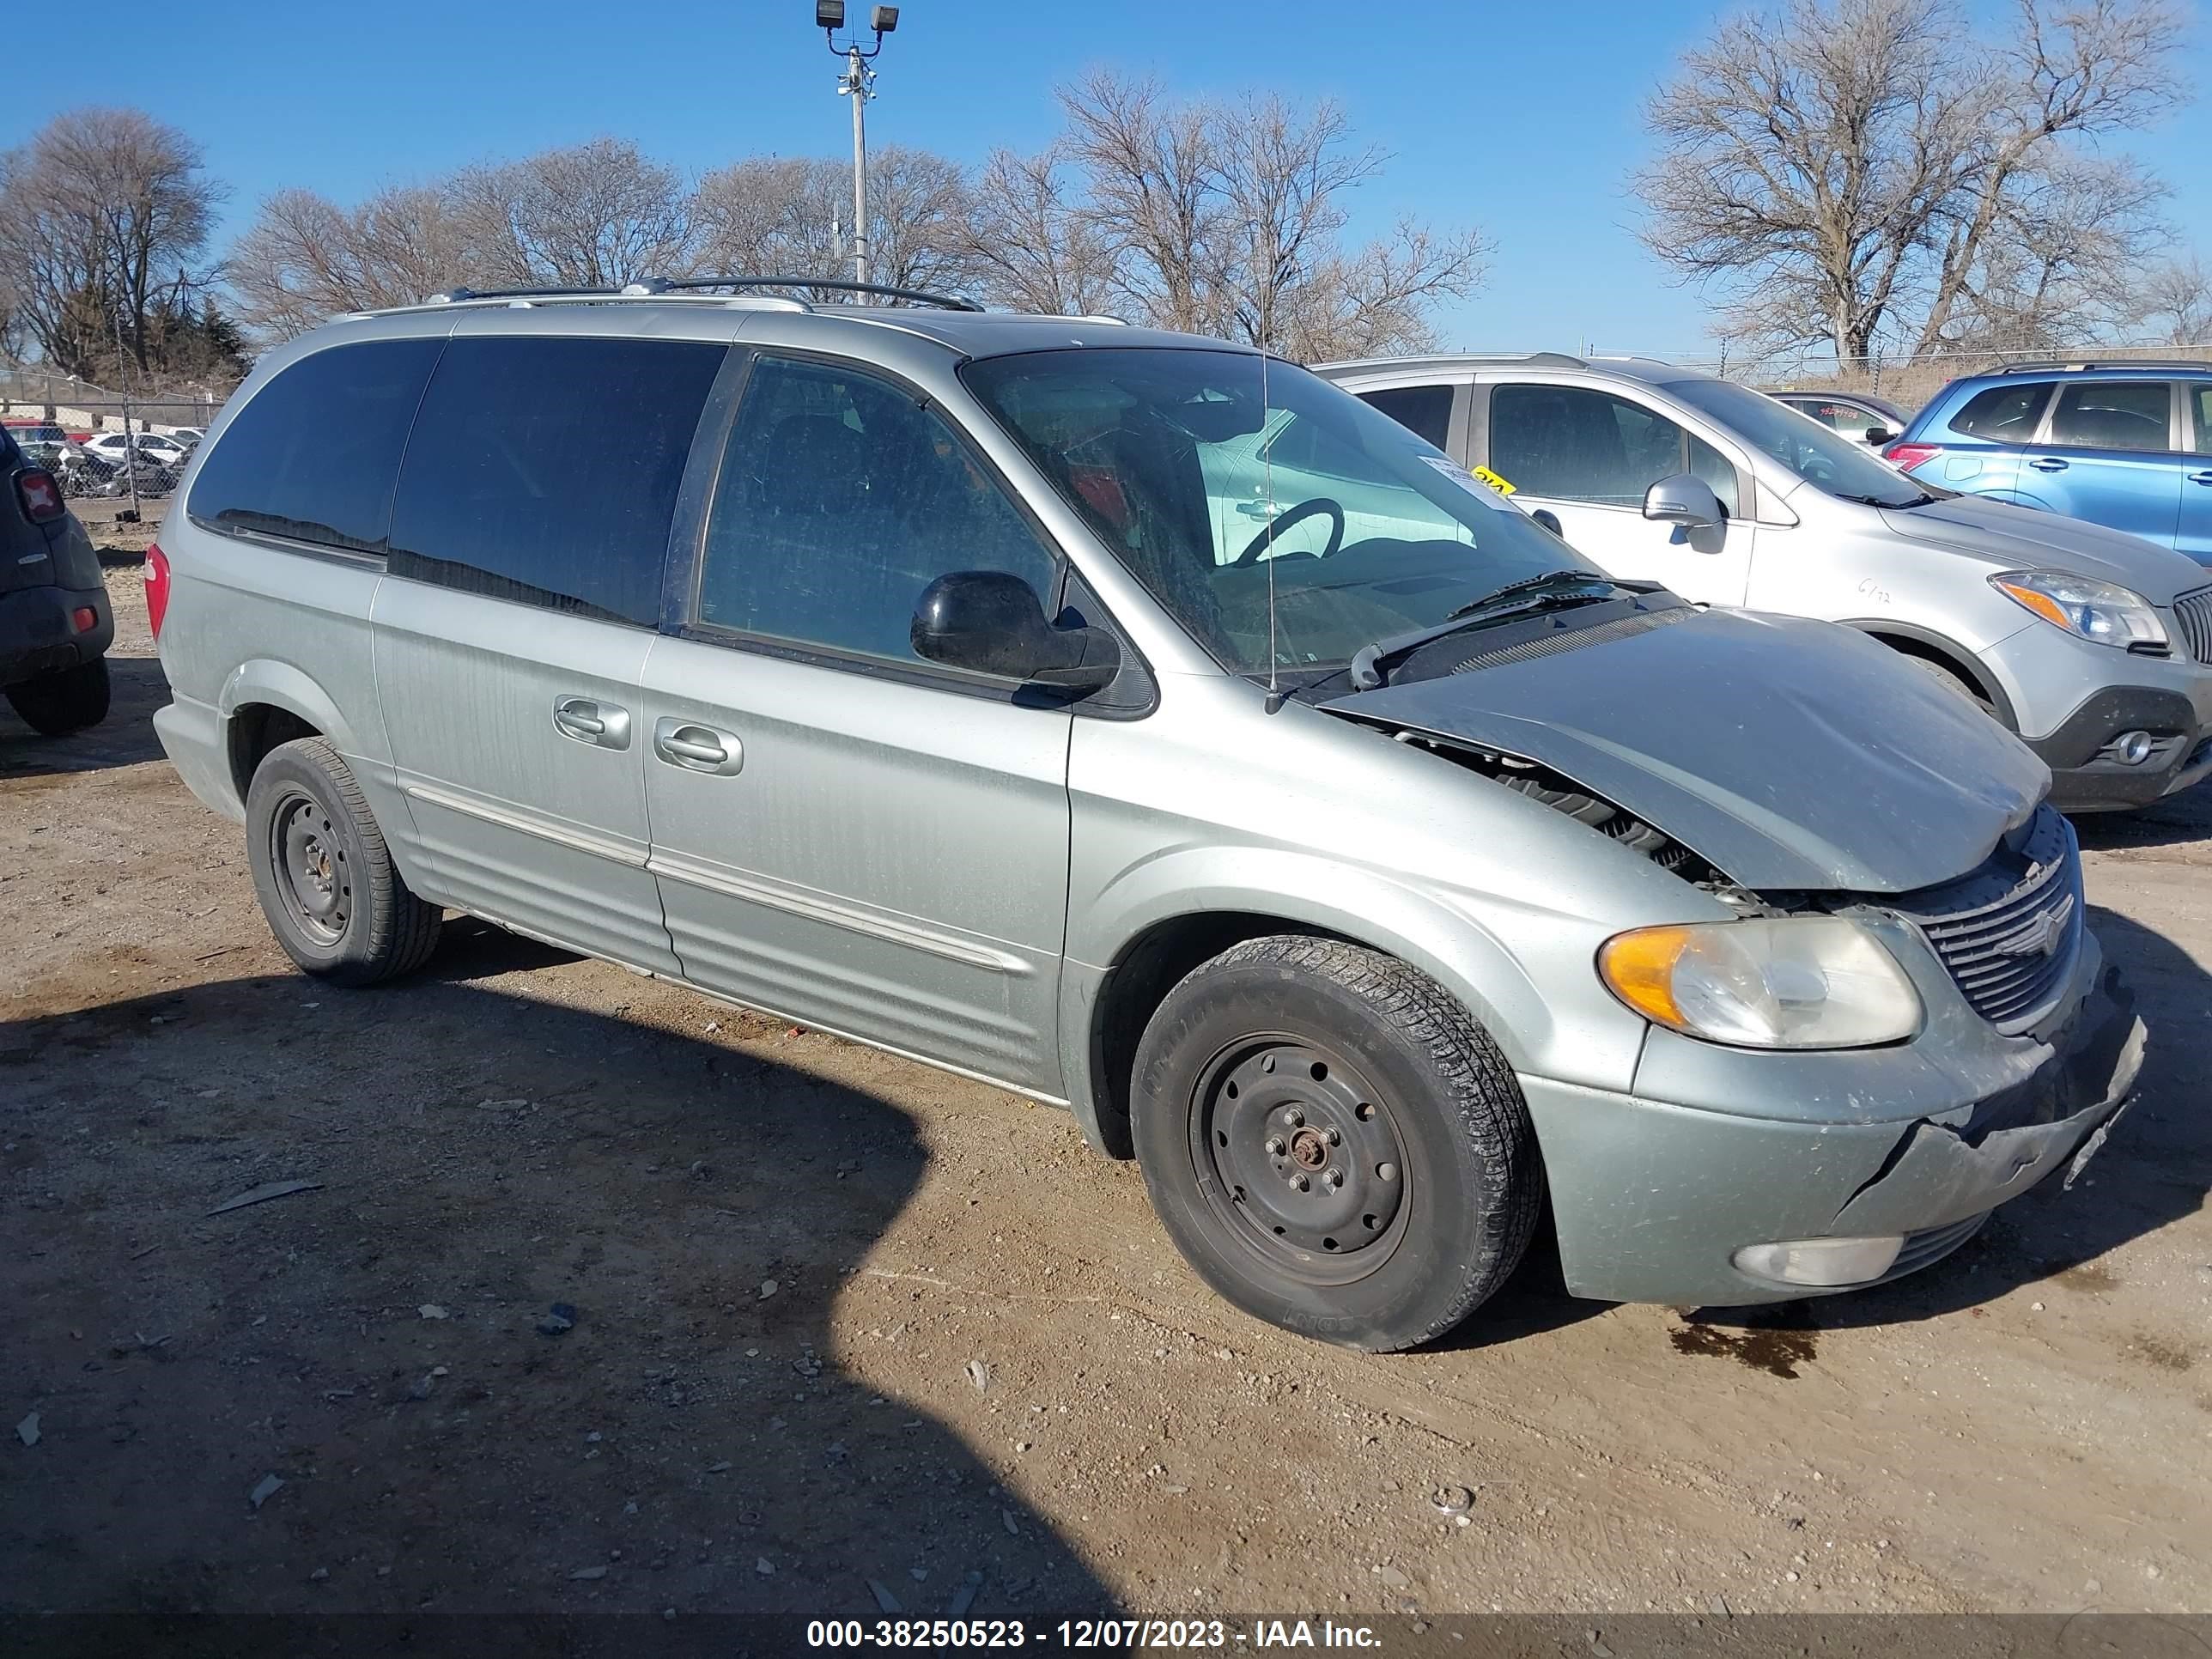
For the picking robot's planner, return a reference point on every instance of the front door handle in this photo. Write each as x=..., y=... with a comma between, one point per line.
x=2203, y=478
x=2048, y=464
x=697, y=747
x=602, y=725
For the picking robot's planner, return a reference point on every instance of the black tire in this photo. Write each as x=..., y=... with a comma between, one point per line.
x=334, y=899
x=68, y=700
x=1944, y=675
x=1372, y=1058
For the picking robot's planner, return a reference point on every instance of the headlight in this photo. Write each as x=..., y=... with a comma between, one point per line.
x=2090, y=610
x=1787, y=982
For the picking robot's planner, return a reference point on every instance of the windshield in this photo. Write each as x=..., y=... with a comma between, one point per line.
x=1206, y=492
x=1807, y=447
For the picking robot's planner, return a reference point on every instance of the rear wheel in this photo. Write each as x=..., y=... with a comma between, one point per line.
x=65, y=701
x=1333, y=1143
x=325, y=879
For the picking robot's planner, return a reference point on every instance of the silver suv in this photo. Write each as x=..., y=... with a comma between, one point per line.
x=2095, y=645
x=1369, y=865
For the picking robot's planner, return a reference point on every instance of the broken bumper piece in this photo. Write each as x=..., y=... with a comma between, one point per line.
x=1656, y=1201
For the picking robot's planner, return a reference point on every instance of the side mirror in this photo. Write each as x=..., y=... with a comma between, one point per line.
x=1686, y=501
x=988, y=622
x=1878, y=435
x=1550, y=521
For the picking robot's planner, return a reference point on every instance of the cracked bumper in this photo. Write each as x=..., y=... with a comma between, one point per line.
x=1652, y=1199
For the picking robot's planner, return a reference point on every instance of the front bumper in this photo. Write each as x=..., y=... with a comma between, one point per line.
x=1652, y=1199
x=2085, y=779
x=39, y=633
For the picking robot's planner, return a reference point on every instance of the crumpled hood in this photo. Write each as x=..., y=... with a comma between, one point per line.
x=2022, y=537
x=1790, y=754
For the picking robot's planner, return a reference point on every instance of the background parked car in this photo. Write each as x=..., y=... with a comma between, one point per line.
x=2094, y=647
x=111, y=447
x=2127, y=445
x=55, y=620
x=1858, y=416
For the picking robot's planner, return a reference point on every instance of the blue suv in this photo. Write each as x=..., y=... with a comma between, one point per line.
x=2129, y=445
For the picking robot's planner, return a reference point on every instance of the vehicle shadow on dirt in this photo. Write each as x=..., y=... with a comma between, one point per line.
x=553, y=1335
x=2155, y=1168
x=2177, y=820
x=125, y=737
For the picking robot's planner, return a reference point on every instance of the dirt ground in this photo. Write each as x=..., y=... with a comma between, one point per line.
x=838, y=1318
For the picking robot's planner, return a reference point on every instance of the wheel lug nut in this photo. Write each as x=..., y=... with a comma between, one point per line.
x=1300, y=1183
x=1334, y=1177
x=1336, y=1137
x=1295, y=1118
x=1276, y=1147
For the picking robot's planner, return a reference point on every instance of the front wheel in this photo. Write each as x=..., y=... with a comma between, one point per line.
x=1333, y=1143
x=326, y=882
x=68, y=700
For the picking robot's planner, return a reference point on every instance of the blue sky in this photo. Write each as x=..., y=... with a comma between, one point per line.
x=1521, y=119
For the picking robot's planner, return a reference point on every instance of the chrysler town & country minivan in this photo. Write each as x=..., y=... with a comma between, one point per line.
x=1374, y=869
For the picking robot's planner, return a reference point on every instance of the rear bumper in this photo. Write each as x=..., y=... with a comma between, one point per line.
x=1653, y=1200
x=38, y=632
x=193, y=737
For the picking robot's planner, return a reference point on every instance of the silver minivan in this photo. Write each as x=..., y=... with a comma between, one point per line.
x=2095, y=645
x=1379, y=873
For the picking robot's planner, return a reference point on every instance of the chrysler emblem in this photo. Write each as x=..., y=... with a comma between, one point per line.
x=2042, y=936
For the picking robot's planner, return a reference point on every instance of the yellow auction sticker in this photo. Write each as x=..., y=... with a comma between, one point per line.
x=1492, y=480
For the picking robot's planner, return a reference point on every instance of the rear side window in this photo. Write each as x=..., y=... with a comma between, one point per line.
x=2132, y=415
x=313, y=455
x=2200, y=401
x=2003, y=414
x=546, y=470
x=1424, y=410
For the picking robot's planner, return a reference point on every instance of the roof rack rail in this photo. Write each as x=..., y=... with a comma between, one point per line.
x=453, y=296
x=911, y=295
x=2168, y=366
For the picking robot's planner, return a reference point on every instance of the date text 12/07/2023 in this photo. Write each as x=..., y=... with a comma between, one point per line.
x=1108, y=1635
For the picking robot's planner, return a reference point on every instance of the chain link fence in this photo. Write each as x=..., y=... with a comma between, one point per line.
x=104, y=447
x=1909, y=381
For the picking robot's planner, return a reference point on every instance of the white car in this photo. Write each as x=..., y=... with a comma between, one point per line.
x=112, y=447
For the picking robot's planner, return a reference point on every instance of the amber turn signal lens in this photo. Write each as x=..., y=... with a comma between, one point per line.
x=1640, y=968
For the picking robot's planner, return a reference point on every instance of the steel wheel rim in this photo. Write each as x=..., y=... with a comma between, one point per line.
x=1299, y=1159
x=314, y=881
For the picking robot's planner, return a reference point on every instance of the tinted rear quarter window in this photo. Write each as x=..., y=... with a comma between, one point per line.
x=1424, y=410
x=313, y=454
x=2129, y=415
x=2003, y=414
x=546, y=470
x=2200, y=402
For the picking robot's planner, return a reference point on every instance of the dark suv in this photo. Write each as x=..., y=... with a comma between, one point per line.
x=2124, y=445
x=55, y=619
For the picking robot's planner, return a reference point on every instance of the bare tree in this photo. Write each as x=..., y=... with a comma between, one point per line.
x=1228, y=219
x=104, y=218
x=773, y=215
x=595, y=215
x=1033, y=249
x=2177, y=298
x=306, y=259
x=1847, y=171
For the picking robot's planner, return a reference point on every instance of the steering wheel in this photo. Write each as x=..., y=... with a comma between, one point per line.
x=1298, y=514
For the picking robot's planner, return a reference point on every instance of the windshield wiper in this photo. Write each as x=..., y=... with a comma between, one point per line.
x=1542, y=591
x=1922, y=499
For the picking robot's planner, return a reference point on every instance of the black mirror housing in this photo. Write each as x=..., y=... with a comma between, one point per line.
x=1878, y=435
x=989, y=622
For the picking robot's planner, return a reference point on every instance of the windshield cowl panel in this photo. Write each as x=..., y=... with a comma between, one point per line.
x=1284, y=526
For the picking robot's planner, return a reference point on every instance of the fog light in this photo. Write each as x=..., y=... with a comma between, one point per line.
x=1825, y=1261
x=84, y=619
x=2131, y=748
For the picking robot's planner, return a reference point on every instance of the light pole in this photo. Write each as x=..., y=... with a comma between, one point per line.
x=858, y=82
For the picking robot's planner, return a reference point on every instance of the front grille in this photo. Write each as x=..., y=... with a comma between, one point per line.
x=2011, y=954
x=2194, y=612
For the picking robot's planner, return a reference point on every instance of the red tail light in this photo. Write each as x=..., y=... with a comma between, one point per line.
x=41, y=495
x=1904, y=457
x=157, y=587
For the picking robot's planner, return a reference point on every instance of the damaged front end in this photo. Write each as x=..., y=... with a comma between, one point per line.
x=1793, y=768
